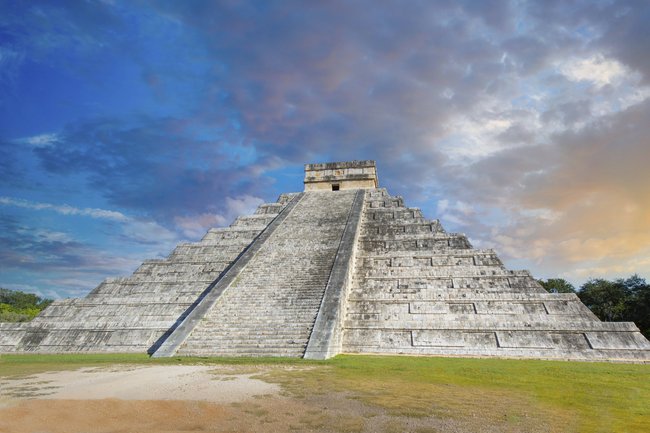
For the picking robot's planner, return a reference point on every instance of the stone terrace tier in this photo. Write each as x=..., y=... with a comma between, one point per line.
x=421, y=291
x=131, y=314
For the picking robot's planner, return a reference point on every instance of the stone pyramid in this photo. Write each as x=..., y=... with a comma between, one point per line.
x=342, y=267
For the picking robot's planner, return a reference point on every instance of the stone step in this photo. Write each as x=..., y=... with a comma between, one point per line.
x=284, y=346
x=271, y=352
x=237, y=329
x=280, y=290
x=234, y=339
x=492, y=322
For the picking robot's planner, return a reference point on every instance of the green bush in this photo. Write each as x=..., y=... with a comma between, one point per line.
x=17, y=306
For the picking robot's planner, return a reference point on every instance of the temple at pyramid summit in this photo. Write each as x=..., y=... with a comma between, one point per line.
x=342, y=267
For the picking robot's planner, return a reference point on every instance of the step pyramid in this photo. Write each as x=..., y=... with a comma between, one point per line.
x=342, y=267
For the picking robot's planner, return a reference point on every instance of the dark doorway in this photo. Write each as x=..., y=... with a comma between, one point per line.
x=335, y=187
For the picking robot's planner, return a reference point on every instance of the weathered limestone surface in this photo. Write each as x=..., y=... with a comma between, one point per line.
x=327, y=336
x=270, y=310
x=131, y=314
x=176, y=336
x=419, y=290
x=340, y=175
x=342, y=267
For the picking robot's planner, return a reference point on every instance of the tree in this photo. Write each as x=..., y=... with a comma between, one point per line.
x=19, y=299
x=17, y=306
x=608, y=300
x=619, y=300
x=557, y=285
x=638, y=305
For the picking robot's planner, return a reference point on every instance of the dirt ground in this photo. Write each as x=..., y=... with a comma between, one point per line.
x=191, y=399
x=174, y=382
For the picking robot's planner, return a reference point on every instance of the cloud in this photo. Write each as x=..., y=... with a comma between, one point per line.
x=457, y=213
x=197, y=225
x=133, y=229
x=65, y=209
x=595, y=69
x=58, y=265
x=340, y=81
x=298, y=84
x=522, y=121
x=149, y=232
x=578, y=203
x=42, y=28
x=28, y=248
x=155, y=166
x=40, y=140
x=627, y=35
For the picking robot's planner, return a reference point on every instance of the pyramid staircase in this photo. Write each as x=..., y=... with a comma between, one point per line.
x=271, y=308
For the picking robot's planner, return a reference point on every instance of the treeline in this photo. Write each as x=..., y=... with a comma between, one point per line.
x=17, y=306
x=621, y=300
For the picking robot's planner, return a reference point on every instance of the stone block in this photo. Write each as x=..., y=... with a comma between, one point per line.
x=428, y=308
x=361, y=337
x=570, y=341
x=395, y=339
x=482, y=283
x=525, y=339
x=428, y=284
x=487, y=260
x=480, y=340
x=435, y=338
x=498, y=307
x=128, y=337
x=564, y=307
x=401, y=262
x=617, y=340
x=534, y=308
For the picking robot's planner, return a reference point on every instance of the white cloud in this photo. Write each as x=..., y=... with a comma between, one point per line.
x=197, y=225
x=51, y=236
x=596, y=69
x=458, y=212
x=138, y=230
x=41, y=140
x=442, y=206
x=65, y=209
x=148, y=232
x=480, y=133
x=517, y=116
x=242, y=205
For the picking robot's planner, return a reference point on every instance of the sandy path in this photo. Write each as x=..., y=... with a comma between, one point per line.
x=178, y=382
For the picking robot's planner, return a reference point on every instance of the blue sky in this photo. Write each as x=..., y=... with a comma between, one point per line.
x=127, y=127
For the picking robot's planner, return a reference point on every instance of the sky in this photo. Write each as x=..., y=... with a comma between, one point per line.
x=127, y=127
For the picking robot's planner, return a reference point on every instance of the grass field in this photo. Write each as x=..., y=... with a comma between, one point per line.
x=510, y=395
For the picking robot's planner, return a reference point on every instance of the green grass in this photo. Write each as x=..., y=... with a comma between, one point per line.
x=26, y=364
x=552, y=395
x=565, y=396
